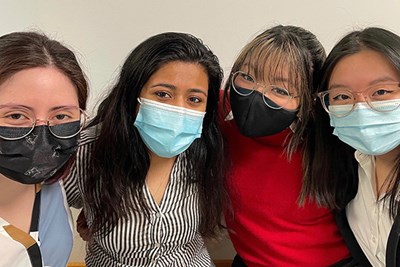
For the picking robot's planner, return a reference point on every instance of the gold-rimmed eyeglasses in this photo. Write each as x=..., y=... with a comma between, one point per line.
x=17, y=122
x=274, y=97
x=342, y=101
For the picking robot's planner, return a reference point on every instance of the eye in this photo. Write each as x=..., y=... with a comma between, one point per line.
x=64, y=115
x=162, y=94
x=280, y=91
x=61, y=117
x=381, y=92
x=341, y=97
x=247, y=77
x=195, y=99
x=17, y=116
x=16, y=119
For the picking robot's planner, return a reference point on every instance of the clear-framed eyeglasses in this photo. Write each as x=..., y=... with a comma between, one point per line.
x=340, y=102
x=274, y=97
x=17, y=122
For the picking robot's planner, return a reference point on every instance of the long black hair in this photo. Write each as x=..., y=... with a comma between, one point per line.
x=120, y=161
x=333, y=168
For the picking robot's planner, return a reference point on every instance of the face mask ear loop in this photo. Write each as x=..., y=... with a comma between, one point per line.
x=140, y=101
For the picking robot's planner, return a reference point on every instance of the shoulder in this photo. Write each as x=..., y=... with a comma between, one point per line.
x=89, y=135
x=87, y=141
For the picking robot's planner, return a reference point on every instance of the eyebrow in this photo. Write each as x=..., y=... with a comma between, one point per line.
x=173, y=87
x=374, y=82
x=383, y=79
x=60, y=107
x=32, y=109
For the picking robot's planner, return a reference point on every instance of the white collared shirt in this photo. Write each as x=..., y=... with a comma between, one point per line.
x=369, y=219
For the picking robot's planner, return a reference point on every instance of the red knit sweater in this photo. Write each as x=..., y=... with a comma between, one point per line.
x=268, y=228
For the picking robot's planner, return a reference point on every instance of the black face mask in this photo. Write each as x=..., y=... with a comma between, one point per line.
x=255, y=119
x=36, y=157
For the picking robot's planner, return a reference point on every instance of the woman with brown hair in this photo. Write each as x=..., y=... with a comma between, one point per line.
x=43, y=94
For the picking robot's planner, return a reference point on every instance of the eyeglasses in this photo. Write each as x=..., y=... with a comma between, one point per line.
x=341, y=101
x=17, y=122
x=274, y=97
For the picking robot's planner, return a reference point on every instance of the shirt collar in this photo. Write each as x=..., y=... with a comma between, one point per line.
x=362, y=158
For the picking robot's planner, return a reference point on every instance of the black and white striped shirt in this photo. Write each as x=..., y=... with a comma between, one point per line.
x=168, y=237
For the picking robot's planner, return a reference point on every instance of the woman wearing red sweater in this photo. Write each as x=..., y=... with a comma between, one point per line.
x=268, y=101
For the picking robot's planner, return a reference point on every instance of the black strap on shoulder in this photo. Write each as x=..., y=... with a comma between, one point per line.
x=392, y=249
x=36, y=213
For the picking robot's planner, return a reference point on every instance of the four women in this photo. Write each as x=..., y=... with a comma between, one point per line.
x=150, y=168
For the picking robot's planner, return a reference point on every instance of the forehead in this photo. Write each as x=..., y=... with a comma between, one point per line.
x=178, y=73
x=275, y=68
x=363, y=69
x=38, y=87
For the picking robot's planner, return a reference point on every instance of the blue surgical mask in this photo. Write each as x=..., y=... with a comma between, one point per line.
x=167, y=130
x=369, y=131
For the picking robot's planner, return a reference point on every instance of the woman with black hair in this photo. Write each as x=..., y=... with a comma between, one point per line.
x=150, y=167
x=355, y=170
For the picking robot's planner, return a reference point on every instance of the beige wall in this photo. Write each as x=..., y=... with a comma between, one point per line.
x=103, y=32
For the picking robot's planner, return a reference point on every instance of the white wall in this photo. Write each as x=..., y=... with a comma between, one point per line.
x=104, y=32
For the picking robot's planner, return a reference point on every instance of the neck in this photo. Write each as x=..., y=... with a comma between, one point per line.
x=390, y=157
x=10, y=190
x=157, y=177
x=16, y=203
x=158, y=161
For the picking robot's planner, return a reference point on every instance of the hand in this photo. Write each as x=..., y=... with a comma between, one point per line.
x=82, y=227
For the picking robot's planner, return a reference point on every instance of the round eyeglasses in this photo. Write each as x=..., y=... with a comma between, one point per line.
x=340, y=102
x=17, y=122
x=274, y=97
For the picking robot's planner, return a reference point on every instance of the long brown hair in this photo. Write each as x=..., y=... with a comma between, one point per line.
x=24, y=50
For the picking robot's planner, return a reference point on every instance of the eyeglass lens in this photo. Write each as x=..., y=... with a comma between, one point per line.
x=341, y=101
x=17, y=122
x=274, y=97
